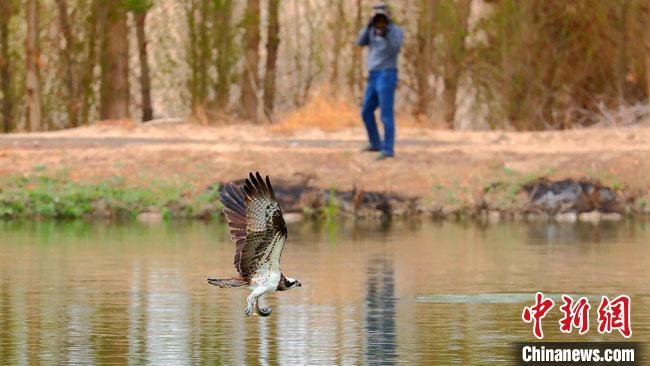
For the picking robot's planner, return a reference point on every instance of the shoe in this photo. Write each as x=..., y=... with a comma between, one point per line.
x=370, y=149
x=383, y=156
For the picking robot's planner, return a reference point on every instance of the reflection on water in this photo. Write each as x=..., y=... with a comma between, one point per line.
x=446, y=293
x=380, y=313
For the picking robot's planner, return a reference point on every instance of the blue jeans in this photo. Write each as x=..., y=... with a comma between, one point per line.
x=380, y=92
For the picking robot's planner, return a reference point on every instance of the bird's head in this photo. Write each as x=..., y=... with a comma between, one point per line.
x=289, y=283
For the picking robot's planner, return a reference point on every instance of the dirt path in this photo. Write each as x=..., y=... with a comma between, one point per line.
x=427, y=160
x=82, y=142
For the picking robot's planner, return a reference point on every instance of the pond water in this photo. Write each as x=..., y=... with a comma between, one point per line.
x=416, y=293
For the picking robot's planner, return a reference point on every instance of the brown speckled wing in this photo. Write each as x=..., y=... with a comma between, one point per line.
x=235, y=211
x=256, y=224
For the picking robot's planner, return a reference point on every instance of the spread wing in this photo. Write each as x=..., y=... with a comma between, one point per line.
x=256, y=225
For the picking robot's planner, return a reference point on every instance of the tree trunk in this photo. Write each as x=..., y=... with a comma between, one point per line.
x=32, y=68
x=423, y=57
x=224, y=59
x=192, y=55
x=355, y=81
x=272, y=44
x=250, y=79
x=455, y=57
x=297, y=55
x=145, y=81
x=338, y=29
x=6, y=13
x=90, y=61
x=204, y=54
x=115, y=64
x=620, y=69
x=199, y=14
x=67, y=54
x=311, y=55
x=647, y=51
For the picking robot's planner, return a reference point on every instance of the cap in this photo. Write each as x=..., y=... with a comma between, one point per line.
x=381, y=9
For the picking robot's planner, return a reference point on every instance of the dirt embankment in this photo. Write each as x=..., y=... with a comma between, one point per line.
x=438, y=172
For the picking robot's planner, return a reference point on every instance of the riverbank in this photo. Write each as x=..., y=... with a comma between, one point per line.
x=175, y=169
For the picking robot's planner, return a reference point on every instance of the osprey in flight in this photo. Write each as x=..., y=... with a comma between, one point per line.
x=259, y=232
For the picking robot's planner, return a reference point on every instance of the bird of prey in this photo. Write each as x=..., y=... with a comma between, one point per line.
x=258, y=229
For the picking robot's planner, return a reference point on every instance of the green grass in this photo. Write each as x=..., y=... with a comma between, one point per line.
x=331, y=210
x=58, y=197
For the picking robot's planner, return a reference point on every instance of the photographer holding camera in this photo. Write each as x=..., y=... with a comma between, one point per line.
x=384, y=40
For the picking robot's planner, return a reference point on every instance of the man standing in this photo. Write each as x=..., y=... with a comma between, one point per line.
x=384, y=40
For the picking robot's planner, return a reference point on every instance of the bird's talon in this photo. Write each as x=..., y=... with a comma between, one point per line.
x=264, y=312
x=248, y=311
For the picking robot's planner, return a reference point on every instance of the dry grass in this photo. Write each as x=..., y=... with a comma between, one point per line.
x=324, y=111
x=328, y=111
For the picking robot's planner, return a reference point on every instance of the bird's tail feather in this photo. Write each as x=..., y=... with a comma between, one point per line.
x=228, y=282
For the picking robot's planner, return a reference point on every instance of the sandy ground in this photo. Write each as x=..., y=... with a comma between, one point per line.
x=467, y=161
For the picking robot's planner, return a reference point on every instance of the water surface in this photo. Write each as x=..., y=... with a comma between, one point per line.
x=419, y=293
